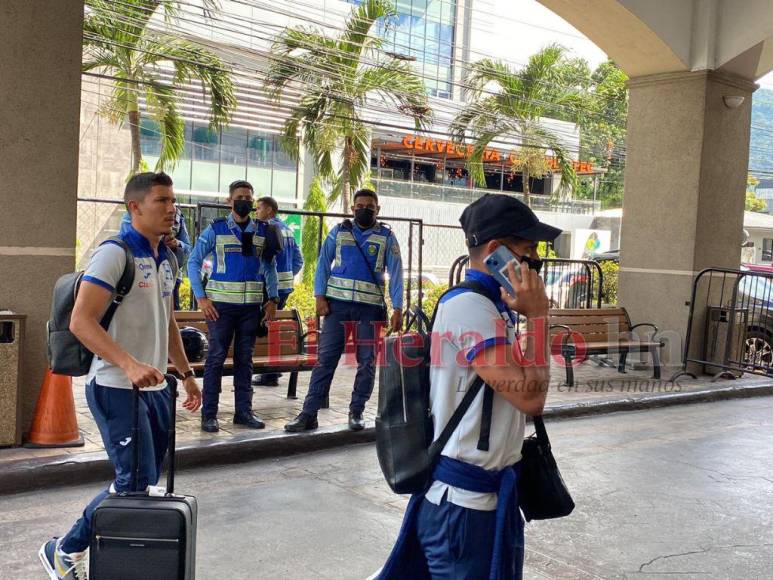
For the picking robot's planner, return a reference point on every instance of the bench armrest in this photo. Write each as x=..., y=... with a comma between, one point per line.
x=306, y=334
x=567, y=335
x=656, y=331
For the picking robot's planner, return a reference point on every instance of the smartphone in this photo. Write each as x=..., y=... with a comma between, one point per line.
x=496, y=264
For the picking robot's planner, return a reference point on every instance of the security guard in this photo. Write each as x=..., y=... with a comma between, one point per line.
x=243, y=261
x=351, y=298
x=288, y=263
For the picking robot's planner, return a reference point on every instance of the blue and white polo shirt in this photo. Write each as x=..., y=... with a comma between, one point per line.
x=141, y=323
x=468, y=324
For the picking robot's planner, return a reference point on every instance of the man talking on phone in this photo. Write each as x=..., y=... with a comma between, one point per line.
x=454, y=530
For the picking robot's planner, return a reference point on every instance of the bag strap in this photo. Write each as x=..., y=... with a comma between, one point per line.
x=542, y=434
x=488, y=395
x=438, y=445
x=125, y=282
x=347, y=225
x=472, y=285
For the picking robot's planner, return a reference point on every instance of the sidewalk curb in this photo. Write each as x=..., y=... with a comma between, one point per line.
x=61, y=470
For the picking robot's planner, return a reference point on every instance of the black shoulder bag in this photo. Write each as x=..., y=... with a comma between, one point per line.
x=542, y=493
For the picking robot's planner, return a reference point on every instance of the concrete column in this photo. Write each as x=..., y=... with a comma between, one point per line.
x=40, y=56
x=685, y=178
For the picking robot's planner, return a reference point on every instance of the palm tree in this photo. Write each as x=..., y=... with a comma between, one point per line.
x=337, y=77
x=545, y=85
x=118, y=42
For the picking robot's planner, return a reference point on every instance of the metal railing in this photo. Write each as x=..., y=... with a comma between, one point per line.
x=446, y=193
x=410, y=235
x=730, y=324
x=568, y=283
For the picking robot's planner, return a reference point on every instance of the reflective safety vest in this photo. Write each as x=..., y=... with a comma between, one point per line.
x=350, y=277
x=235, y=278
x=284, y=260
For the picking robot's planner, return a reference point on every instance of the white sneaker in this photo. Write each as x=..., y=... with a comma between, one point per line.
x=62, y=566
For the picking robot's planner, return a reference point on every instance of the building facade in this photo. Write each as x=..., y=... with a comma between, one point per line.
x=434, y=35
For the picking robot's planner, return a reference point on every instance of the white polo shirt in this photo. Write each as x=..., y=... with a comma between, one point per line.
x=141, y=323
x=472, y=323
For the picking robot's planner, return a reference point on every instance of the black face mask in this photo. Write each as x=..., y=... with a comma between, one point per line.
x=533, y=263
x=365, y=217
x=242, y=207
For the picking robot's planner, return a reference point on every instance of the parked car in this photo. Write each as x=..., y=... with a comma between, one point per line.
x=755, y=295
x=611, y=255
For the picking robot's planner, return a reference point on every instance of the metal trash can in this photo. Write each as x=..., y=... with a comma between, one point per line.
x=11, y=340
x=715, y=341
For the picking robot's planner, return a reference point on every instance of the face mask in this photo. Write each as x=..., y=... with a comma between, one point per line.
x=533, y=263
x=242, y=207
x=365, y=217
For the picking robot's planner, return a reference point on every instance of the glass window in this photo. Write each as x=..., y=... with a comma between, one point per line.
x=181, y=174
x=767, y=250
x=233, y=156
x=259, y=149
x=233, y=146
x=433, y=10
x=281, y=159
x=394, y=166
x=445, y=39
x=402, y=33
x=283, y=184
x=260, y=178
x=205, y=143
x=447, y=11
x=150, y=137
x=419, y=7
x=206, y=158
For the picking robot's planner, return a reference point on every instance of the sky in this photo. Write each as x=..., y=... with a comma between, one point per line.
x=533, y=26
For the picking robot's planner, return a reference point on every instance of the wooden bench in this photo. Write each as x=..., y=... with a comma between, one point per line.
x=290, y=355
x=593, y=331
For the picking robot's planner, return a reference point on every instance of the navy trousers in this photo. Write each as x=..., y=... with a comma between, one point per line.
x=282, y=303
x=112, y=410
x=458, y=542
x=345, y=318
x=239, y=324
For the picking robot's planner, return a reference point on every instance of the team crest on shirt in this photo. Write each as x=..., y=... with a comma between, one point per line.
x=168, y=280
x=372, y=249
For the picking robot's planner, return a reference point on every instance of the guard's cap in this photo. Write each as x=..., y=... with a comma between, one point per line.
x=499, y=215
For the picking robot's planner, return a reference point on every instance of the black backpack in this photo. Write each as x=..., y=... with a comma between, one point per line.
x=66, y=354
x=404, y=430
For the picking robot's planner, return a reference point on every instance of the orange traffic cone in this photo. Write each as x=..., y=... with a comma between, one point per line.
x=55, y=424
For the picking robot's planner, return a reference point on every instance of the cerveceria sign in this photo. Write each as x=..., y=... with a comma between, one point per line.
x=429, y=145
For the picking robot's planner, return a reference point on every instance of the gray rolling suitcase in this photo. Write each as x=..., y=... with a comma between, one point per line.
x=137, y=536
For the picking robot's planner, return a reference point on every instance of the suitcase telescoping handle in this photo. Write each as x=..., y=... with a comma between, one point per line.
x=171, y=382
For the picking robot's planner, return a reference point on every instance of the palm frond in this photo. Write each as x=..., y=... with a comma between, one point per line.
x=162, y=106
x=356, y=39
x=194, y=63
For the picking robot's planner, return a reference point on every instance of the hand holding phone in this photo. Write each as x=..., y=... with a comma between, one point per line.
x=496, y=264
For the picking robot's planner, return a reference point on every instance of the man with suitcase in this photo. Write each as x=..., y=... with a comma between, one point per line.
x=133, y=350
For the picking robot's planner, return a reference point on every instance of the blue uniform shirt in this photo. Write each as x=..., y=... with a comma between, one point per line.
x=209, y=243
x=343, y=274
x=290, y=261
